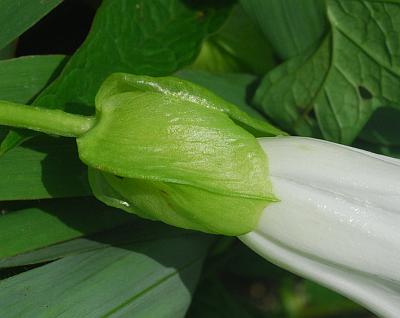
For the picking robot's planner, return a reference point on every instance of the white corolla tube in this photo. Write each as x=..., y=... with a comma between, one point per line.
x=338, y=219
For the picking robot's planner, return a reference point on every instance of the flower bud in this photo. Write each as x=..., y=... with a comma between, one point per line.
x=337, y=221
x=169, y=150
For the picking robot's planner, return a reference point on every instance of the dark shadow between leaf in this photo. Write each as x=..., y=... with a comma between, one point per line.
x=79, y=108
x=106, y=226
x=63, y=174
x=173, y=248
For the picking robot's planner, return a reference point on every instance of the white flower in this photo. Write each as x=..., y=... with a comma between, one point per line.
x=338, y=221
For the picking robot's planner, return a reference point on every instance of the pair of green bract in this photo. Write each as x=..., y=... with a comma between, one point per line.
x=166, y=149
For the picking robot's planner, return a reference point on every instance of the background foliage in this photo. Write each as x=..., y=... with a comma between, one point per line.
x=316, y=68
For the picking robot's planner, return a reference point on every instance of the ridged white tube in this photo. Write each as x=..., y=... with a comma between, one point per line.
x=338, y=221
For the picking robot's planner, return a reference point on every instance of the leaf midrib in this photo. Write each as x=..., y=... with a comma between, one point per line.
x=149, y=288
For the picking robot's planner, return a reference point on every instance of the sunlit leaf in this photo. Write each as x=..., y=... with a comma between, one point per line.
x=150, y=278
x=54, y=221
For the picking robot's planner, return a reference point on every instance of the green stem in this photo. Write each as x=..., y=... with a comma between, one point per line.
x=50, y=121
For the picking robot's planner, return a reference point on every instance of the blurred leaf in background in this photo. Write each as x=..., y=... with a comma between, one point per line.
x=50, y=263
x=291, y=26
x=239, y=283
x=119, y=274
x=238, y=46
x=236, y=88
x=64, y=254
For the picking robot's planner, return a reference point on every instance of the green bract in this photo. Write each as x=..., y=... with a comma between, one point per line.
x=166, y=149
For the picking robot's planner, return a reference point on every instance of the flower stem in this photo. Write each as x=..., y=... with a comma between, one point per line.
x=51, y=121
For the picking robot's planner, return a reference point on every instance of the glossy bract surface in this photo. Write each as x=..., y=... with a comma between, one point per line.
x=172, y=151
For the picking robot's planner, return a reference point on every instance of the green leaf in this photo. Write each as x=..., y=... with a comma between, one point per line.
x=291, y=26
x=353, y=72
x=21, y=79
x=55, y=221
x=238, y=46
x=121, y=280
x=18, y=16
x=137, y=230
x=43, y=168
x=51, y=253
x=141, y=37
x=288, y=93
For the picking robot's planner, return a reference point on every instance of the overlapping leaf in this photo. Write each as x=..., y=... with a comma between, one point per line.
x=44, y=168
x=291, y=26
x=17, y=16
x=21, y=79
x=141, y=37
x=335, y=89
x=238, y=46
x=54, y=221
x=116, y=277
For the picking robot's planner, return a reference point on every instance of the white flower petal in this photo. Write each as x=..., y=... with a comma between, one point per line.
x=338, y=221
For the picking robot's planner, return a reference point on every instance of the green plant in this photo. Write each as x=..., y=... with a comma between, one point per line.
x=166, y=99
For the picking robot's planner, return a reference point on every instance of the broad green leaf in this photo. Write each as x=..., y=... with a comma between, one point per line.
x=137, y=231
x=21, y=79
x=291, y=26
x=43, y=168
x=213, y=58
x=153, y=278
x=287, y=93
x=238, y=46
x=55, y=221
x=18, y=16
x=234, y=88
x=52, y=252
x=133, y=36
x=354, y=71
